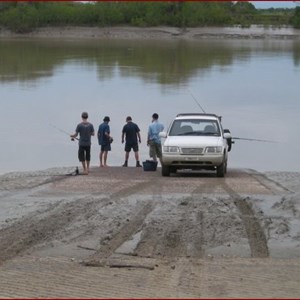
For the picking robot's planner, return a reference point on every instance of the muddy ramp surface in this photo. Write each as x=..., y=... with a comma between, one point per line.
x=143, y=235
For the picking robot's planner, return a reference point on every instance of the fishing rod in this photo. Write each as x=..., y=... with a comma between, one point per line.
x=233, y=138
x=63, y=131
x=197, y=102
x=256, y=140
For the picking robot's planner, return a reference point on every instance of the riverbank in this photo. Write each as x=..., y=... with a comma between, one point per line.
x=25, y=179
x=290, y=181
x=127, y=32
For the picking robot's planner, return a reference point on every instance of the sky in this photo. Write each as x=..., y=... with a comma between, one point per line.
x=274, y=4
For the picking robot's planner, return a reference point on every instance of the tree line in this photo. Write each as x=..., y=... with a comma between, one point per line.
x=26, y=16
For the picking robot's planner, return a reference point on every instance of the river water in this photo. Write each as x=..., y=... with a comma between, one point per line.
x=252, y=84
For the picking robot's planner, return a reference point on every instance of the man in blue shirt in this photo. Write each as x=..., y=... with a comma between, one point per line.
x=104, y=140
x=85, y=131
x=132, y=133
x=154, y=141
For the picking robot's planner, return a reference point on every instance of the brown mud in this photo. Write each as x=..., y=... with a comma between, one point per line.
x=123, y=232
x=160, y=32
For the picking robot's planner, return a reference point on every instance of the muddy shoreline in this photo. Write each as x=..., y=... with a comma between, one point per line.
x=161, y=32
x=125, y=233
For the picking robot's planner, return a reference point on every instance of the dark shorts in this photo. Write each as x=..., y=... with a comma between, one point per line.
x=134, y=147
x=84, y=153
x=105, y=147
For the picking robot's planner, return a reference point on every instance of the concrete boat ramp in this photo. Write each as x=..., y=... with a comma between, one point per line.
x=126, y=233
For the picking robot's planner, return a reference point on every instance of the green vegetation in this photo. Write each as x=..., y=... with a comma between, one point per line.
x=26, y=16
x=296, y=18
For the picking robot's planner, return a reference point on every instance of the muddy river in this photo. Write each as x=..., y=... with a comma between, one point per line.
x=45, y=84
x=126, y=233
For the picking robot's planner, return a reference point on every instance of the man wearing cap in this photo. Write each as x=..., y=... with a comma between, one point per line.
x=153, y=140
x=104, y=140
x=132, y=133
x=85, y=131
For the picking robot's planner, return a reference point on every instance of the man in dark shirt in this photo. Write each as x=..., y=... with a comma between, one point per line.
x=132, y=133
x=104, y=140
x=85, y=131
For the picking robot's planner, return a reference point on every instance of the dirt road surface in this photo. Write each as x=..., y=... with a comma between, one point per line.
x=127, y=233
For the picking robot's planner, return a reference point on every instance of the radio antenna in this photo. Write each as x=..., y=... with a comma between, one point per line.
x=197, y=102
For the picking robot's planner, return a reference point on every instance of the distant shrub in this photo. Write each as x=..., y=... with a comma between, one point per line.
x=296, y=18
x=21, y=19
x=26, y=16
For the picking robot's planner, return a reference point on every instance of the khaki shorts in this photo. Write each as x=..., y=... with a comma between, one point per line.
x=154, y=149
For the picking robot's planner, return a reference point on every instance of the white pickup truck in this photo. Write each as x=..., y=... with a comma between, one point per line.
x=195, y=141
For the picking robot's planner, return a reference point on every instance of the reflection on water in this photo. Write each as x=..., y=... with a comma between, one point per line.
x=252, y=84
x=172, y=62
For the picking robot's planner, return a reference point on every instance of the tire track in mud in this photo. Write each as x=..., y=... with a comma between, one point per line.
x=185, y=239
x=171, y=233
x=255, y=233
x=146, y=246
x=182, y=230
x=44, y=226
x=31, y=181
x=135, y=225
x=178, y=231
x=36, y=228
x=121, y=236
x=167, y=234
x=268, y=183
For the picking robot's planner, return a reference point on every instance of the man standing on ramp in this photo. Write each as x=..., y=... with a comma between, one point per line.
x=85, y=131
x=132, y=133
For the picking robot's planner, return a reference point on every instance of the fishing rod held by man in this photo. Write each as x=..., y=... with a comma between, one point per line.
x=63, y=131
